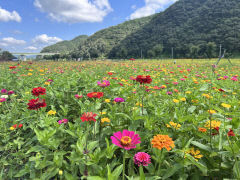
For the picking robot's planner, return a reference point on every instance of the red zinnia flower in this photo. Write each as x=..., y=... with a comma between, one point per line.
x=38, y=91
x=216, y=129
x=95, y=94
x=14, y=126
x=230, y=133
x=89, y=116
x=144, y=79
x=36, y=104
x=12, y=67
x=20, y=125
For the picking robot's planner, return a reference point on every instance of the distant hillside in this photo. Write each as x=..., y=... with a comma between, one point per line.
x=189, y=28
x=66, y=46
x=102, y=42
x=193, y=28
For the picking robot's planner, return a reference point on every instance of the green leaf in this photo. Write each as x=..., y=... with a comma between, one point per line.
x=191, y=109
x=172, y=170
x=116, y=173
x=22, y=172
x=201, y=146
x=95, y=178
x=202, y=167
x=204, y=87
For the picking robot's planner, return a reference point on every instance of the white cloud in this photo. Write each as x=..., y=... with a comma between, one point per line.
x=151, y=7
x=10, y=41
x=6, y=16
x=73, y=11
x=32, y=48
x=45, y=39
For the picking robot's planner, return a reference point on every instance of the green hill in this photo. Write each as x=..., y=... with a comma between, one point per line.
x=193, y=28
x=102, y=42
x=189, y=28
x=66, y=46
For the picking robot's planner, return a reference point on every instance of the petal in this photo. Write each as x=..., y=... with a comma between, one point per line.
x=118, y=135
x=125, y=132
x=116, y=141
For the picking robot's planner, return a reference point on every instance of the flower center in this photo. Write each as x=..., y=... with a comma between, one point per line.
x=126, y=140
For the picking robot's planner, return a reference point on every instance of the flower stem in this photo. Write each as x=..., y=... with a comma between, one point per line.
x=141, y=173
x=123, y=174
x=211, y=131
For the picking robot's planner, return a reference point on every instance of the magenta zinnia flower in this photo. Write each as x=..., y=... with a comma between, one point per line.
x=10, y=92
x=104, y=83
x=2, y=99
x=126, y=139
x=142, y=158
x=3, y=91
x=119, y=99
x=63, y=121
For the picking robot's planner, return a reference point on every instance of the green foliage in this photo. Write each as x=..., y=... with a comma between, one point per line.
x=192, y=28
x=65, y=46
x=44, y=149
x=5, y=56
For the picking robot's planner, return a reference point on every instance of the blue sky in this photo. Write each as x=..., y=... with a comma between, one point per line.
x=30, y=25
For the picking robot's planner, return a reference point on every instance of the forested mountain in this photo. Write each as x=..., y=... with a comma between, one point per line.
x=193, y=28
x=102, y=42
x=189, y=28
x=66, y=46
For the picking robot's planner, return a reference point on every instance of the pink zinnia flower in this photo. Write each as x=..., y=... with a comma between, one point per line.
x=2, y=99
x=126, y=139
x=104, y=83
x=182, y=79
x=169, y=93
x=175, y=83
x=63, y=121
x=234, y=79
x=78, y=96
x=142, y=158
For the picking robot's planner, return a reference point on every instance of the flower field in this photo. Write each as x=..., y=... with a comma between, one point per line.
x=120, y=120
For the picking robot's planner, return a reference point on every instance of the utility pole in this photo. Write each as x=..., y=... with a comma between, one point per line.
x=141, y=53
x=172, y=52
x=220, y=50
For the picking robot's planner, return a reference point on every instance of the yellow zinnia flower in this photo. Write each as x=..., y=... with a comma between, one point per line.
x=105, y=120
x=183, y=99
x=214, y=124
x=195, y=153
x=212, y=111
x=175, y=100
x=174, y=125
x=226, y=105
x=107, y=100
x=51, y=112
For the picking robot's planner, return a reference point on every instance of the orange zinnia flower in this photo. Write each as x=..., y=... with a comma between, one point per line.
x=163, y=141
x=202, y=129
